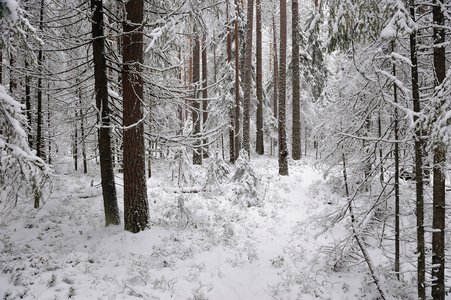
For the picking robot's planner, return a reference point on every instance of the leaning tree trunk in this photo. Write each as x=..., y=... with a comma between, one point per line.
x=283, y=151
x=259, y=145
x=296, y=151
x=439, y=217
x=421, y=273
x=104, y=133
x=248, y=79
x=136, y=207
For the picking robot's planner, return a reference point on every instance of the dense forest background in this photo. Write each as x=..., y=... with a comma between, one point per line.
x=202, y=91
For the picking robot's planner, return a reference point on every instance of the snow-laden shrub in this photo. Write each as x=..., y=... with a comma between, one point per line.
x=22, y=173
x=245, y=182
x=217, y=170
x=180, y=165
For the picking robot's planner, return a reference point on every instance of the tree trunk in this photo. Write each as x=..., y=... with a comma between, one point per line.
x=248, y=79
x=439, y=217
x=283, y=151
x=418, y=163
x=197, y=151
x=396, y=187
x=104, y=133
x=39, y=137
x=28, y=103
x=1, y=65
x=237, y=87
x=296, y=151
x=259, y=146
x=136, y=207
x=276, y=72
x=204, y=93
x=232, y=111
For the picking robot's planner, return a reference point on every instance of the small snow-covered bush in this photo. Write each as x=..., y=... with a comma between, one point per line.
x=217, y=170
x=245, y=182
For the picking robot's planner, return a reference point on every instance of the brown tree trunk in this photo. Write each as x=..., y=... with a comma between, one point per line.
x=283, y=151
x=259, y=146
x=237, y=87
x=101, y=93
x=296, y=151
x=396, y=187
x=439, y=217
x=1, y=65
x=421, y=284
x=204, y=93
x=197, y=151
x=136, y=207
x=232, y=111
x=248, y=78
x=276, y=72
x=39, y=135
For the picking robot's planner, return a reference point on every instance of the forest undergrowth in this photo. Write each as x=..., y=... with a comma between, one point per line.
x=240, y=232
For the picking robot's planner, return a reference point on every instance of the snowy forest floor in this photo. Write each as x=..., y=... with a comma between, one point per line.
x=204, y=245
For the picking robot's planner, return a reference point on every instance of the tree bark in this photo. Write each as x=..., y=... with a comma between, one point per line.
x=421, y=275
x=197, y=151
x=237, y=87
x=248, y=79
x=296, y=151
x=104, y=132
x=259, y=146
x=396, y=187
x=283, y=151
x=39, y=136
x=232, y=111
x=136, y=207
x=275, y=72
x=204, y=93
x=439, y=217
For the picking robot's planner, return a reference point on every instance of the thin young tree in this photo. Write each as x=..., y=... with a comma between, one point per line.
x=296, y=151
x=248, y=79
x=102, y=104
x=283, y=151
x=259, y=146
x=136, y=207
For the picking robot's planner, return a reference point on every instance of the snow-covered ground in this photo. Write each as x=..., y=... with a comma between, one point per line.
x=205, y=245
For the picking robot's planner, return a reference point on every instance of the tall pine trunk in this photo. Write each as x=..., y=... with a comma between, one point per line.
x=421, y=275
x=396, y=187
x=237, y=87
x=275, y=73
x=296, y=151
x=136, y=207
x=104, y=133
x=259, y=146
x=232, y=111
x=283, y=151
x=197, y=151
x=39, y=135
x=204, y=92
x=248, y=79
x=439, y=217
